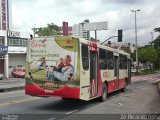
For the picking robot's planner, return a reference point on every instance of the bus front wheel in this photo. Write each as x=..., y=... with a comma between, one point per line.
x=104, y=93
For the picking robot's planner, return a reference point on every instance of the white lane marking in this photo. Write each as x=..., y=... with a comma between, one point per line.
x=51, y=119
x=71, y=112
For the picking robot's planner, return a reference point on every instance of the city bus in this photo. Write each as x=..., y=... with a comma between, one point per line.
x=70, y=67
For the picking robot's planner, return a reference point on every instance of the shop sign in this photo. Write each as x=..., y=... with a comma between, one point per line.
x=13, y=34
x=3, y=49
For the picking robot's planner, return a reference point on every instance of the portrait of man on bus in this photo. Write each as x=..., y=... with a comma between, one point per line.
x=63, y=71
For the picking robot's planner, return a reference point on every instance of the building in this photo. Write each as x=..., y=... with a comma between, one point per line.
x=17, y=49
x=13, y=45
x=65, y=29
x=79, y=31
x=5, y=15
x=13, y=49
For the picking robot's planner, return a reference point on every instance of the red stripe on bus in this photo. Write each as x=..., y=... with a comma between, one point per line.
x=111, y=86
x=65, y=92
x=122, y=83
x=114, y=85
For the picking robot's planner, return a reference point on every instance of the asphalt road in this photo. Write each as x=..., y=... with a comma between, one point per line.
x=12, y=82
x=18, y=105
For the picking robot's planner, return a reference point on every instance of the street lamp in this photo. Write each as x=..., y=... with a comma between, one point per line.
x=135, y=11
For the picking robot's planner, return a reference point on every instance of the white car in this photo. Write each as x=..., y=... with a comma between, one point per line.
x=1, y=76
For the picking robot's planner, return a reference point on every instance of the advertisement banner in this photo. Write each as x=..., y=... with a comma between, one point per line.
x=52, y=62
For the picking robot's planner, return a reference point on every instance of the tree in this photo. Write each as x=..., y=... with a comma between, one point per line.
x=156, y=42
x=156, y=45
x=157, y=29
x=147, y=54
x=51, y=29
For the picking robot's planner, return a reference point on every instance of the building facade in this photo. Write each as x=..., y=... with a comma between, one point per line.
x=13, y=44
x=79, y=31
x=13, y=49
x=66, y=30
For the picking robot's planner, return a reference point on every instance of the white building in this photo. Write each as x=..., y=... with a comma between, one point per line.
x=13, y=44
x=79, y=31
x=15, y=57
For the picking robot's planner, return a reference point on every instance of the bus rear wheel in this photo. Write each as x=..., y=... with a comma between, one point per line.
x=124, y=88
x=104, y=93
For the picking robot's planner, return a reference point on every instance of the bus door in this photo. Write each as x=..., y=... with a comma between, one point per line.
x=93, y=70
x=116, y=71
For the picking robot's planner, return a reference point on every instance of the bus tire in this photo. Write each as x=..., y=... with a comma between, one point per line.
x=124, y=88
x=104, y=93
x=66, y=99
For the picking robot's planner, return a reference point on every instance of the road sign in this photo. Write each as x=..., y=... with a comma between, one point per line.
x=96, y=26
x=3, y=49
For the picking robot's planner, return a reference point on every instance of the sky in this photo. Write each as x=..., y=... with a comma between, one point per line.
x=27, y=14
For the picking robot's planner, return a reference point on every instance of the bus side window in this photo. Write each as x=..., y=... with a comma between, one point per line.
x=85, y=59
x=123, y=62
x=103, y=59
x=110, y=60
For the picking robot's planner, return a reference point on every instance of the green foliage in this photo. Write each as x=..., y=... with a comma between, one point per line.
x=148, y=54
x=156, y=45
x=50, y=30
x=157, y=29
x=145, y=72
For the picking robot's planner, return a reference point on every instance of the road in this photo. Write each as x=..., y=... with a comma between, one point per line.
x=16, y=102
x=11, y=83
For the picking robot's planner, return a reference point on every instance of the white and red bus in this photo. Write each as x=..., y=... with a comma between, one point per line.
x=71, y=67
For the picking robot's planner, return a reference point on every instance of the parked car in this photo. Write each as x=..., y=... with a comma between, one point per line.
x=1, y=76
x=18, y=72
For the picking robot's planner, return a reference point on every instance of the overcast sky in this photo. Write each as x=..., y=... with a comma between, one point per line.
x=38, y=13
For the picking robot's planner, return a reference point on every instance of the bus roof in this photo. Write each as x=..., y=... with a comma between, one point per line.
x=82, y=40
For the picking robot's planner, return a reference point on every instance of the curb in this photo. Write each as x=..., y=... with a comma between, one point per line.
x=9, y=89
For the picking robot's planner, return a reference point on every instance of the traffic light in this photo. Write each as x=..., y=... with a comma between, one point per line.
x=120, y=35
x=31, y=36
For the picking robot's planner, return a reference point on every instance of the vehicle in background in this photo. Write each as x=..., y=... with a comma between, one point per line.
x=18, y=72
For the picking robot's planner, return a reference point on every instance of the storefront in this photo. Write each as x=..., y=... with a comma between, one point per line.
x=17, y=58
x=13, y=46
x=3, y=52
x=17, y=43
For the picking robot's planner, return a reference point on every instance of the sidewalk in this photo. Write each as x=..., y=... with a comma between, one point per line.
x=11, y=84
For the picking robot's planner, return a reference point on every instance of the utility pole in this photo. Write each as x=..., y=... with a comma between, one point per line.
x=135, y=12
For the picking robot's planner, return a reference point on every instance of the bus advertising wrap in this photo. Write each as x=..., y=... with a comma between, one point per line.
x=52, y=62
